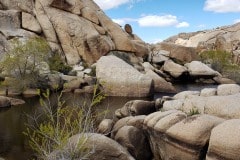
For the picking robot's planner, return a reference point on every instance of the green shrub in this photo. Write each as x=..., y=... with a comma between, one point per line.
x=57, y=124
x=218, y=59
x=193, y=111
x=22, y=62
x=57, y=64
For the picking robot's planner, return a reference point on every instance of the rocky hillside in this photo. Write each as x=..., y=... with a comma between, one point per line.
x=221, y=38
x=78, y=29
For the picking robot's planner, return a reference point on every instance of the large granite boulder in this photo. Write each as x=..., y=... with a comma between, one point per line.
x=135, y=141
x=121, y=79
x=225, y=141
x=174, y=135
x=78, y=30
x=98, y=146
x=135, y=108
x=225, y=106
x=199, y=69
x=179, y=53
x=160, y=84
x=174, y=69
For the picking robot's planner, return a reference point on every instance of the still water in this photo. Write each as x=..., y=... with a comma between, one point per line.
x=13, y=145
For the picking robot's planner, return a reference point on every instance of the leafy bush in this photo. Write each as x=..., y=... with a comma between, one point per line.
x=57, y=124
x=193, y=111
x=217, y=59
x=23, y=61
x=56, y=63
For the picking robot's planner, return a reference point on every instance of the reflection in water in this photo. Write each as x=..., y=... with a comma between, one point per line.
x=13, y=145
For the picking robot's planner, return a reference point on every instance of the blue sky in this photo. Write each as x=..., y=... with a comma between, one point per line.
x=156, y=20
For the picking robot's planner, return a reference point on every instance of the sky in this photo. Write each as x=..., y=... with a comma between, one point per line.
x=156, y=20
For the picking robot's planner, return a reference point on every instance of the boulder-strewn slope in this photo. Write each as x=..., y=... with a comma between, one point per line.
x=78, y=29
x=221, y=38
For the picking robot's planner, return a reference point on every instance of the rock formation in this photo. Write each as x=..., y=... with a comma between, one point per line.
x=78, y=29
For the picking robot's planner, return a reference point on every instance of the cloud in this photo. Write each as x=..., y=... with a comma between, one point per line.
x=157, y=21
x=236, y=21
x=182, y=24
x=123, y=21
x=222, y=6
x=110, y=4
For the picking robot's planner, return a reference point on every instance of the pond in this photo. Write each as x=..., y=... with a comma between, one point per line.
x=13, y=144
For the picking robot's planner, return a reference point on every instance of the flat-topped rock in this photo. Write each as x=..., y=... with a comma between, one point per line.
x=121, y=79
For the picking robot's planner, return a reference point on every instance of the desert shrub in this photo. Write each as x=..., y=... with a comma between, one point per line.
x=56, y=63
x=193, y=111
x=22, y=62
x=52, y=129
x=218, y=59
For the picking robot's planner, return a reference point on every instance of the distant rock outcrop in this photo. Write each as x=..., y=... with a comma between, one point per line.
x=221, y=38
x=78, y=29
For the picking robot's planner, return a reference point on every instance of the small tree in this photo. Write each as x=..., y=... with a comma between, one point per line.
x=23, y=61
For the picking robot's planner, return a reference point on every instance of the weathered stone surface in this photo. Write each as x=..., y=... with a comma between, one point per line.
x=228, y=89
x=186, y=94
x=137, y=107
x=174, y=69
x=158, y=56
x=135, y=141
x=221, y=106
x=225, y=141
x=180, y=53
x=208, y=92
x=30, y=23
x=30, y=92
x=175, y=131
x=121, y=79
x=22, y=5
x=10, y=19
x=105, y=127
x=90, y=15
x=198, y=69
x=160, y=84
x=104, y=148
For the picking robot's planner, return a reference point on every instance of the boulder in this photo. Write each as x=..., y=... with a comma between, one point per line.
x=228, y=89
x=174, y=69
x=4, y=102
x=199, y=69
x=29, y=22
x=160, y=84
x=225, y=141
x=99, y=146
x=221, y=106
x=121, y=79
x=177, y=52
x=137, y=107
x=174, y=131
x=158, y=57
x=135, y=141
x=186, y=94
x=105, y=127
x=22, y=5
x=223, y=80
x=30, y=92
x=206, y=92
x=10, y=20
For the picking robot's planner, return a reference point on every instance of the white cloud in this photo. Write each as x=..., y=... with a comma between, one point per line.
x=160, y=21
x=123, y=21
x=236, y=21
x=109, y=4
x=157, y=21
x=182, y=24
x=222, y=6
